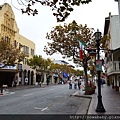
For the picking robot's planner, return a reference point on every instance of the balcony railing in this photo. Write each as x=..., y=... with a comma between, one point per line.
x=113, y=67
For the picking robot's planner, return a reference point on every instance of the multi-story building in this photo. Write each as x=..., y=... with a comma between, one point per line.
x=10, y=32
x=112, y=56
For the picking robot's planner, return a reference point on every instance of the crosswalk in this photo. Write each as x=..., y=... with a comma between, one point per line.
x=6, y=92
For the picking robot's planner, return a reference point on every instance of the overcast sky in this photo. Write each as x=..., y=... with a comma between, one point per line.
x=35, y=28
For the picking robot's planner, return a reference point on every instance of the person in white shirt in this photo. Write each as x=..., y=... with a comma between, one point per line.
x=26, y=81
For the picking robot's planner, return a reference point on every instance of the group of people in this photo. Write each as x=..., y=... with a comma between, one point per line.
x=76, y=83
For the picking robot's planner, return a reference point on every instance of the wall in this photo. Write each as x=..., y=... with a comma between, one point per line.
x=114, y=32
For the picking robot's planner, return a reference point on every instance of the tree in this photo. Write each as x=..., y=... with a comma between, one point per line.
x=64, y=39
x=92, y=69
x=9, y=54
x=78, y=72
x=39, y=63
x=61, y=8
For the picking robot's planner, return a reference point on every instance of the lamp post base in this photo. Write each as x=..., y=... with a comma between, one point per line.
x=100, y=107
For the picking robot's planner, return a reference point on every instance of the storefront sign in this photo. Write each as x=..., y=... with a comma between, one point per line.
x=7, y=67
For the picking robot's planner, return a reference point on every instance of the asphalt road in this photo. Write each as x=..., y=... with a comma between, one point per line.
x=55, y=99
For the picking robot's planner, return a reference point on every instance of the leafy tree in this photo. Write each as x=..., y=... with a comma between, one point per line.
x=39, y=63
x=63, y=39
x=61, y=8
x=92, y=69
x=58, y=68
x=78, y=72
x=9, y=54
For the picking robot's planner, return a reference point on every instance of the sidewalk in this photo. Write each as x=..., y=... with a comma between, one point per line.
x=110, y=100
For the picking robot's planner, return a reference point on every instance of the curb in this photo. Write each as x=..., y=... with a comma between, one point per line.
x=87, y=102
x=1, y=94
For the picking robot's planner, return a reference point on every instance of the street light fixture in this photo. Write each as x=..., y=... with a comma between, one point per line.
x=100, y=107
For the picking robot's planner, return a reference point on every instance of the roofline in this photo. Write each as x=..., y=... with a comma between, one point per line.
x=115, y=50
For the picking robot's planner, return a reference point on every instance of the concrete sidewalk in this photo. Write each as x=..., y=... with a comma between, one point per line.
x=110, y=100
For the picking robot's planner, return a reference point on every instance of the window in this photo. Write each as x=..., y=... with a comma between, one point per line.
x=15, y=43
x=32, y=52
x=7, y=40
x=26, y=49
x=25, y=61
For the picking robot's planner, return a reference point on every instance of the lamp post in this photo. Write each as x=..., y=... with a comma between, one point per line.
x=100, y=107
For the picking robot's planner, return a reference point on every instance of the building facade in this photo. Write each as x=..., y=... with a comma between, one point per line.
x=112, y=57
x=10, y=32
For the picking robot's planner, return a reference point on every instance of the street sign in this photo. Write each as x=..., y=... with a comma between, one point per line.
x=98, y=65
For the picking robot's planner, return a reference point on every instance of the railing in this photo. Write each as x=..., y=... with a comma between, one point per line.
x=113, y=67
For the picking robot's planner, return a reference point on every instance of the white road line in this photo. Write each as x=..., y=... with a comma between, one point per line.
x=37, y=108
x=27, y=95
x=10, y=93
x=45, y=109
x=42, y=109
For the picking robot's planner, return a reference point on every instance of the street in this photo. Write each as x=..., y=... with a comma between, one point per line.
x=54, y=99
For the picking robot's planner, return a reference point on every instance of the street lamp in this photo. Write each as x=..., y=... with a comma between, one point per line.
x=100, y=107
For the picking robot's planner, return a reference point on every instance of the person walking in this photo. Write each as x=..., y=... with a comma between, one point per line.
x=75, y=84
x=70, y=84
x=79, y=84
x=26, y=81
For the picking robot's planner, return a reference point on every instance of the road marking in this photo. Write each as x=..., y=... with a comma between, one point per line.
x=8, y=93
x=27, y=95
x=12, y=92
x=42, y=109
x=45, y=109
x=51, y=89
x=37, y=108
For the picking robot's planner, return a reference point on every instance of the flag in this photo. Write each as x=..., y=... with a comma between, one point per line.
x=82, y=46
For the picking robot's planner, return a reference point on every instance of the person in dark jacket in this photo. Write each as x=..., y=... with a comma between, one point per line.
x=79, y=83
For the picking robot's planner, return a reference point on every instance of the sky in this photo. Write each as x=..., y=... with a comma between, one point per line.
x=35, y=28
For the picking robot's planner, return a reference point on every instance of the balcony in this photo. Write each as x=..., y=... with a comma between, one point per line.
x=113, y=67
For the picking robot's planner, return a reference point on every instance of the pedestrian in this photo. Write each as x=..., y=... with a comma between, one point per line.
x=75, y=84
x=70, y=84
x=48, y=79
x=26, y=81
x=19, y=80
x=15, y=82
x=40, y=83
x=79, y=84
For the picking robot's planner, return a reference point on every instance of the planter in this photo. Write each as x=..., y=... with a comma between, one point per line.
x=112, y=87
x=90, y=91
x=117, y=88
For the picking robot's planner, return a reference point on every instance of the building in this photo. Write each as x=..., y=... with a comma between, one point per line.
x=10, y=32
x=112, y=56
